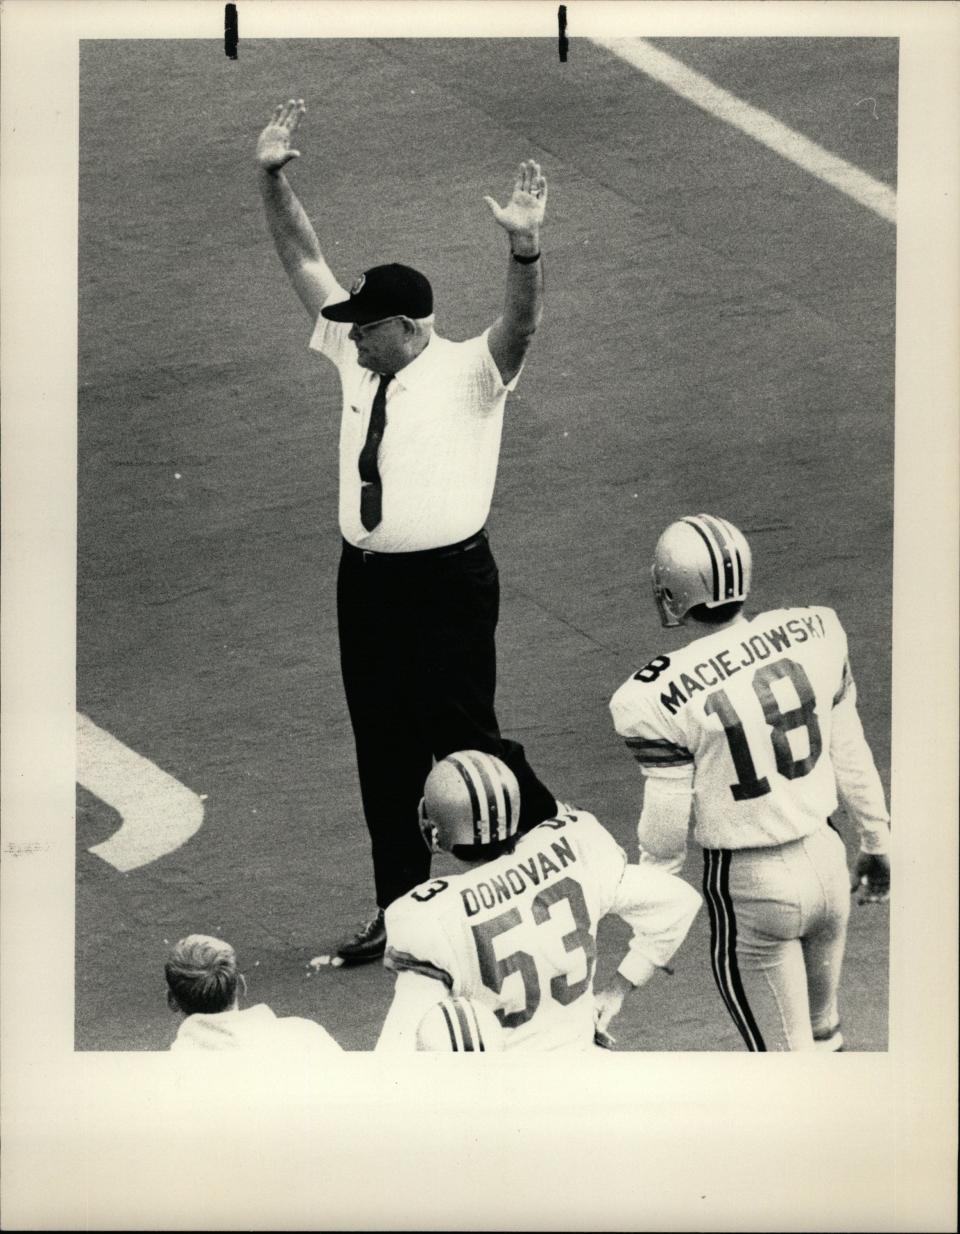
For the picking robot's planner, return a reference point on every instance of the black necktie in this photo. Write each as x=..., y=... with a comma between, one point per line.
x=371, y=490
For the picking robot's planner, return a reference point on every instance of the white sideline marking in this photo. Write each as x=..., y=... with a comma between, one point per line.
x=159, y=813
x=702, y=92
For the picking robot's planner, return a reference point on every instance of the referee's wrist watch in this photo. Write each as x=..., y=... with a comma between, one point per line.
x=525, y=260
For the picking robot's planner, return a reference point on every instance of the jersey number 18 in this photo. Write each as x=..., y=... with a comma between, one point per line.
x=781, y=722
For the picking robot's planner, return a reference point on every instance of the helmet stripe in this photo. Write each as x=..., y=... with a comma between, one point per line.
x=726, y=560
x=450, y=1028
x=731, y=534
x=463, y=1025
x=739, y=581
x=722, y=533
x=491, y=790
x=482, y=787
x=488, y=821
x=475, y=807
x=478, y=1032
x=468, y=1033
x=711, y=549
x=500, y=808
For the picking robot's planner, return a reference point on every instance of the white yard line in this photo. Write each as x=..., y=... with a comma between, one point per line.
x=702, y=92
x=159, y=813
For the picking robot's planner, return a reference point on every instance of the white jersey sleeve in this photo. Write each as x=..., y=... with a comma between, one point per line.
x=659, y=908
x=858, y=781
x=664, y=759
x=639, y=718
x=419, y=953
x=417, y=941
x=665, y=817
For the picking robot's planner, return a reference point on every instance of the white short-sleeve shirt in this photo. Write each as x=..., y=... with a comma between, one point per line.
x=439, y=453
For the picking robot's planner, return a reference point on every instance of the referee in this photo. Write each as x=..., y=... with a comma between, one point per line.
x=417, y=589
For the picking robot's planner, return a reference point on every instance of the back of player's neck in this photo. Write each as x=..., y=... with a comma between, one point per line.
x=701, y=628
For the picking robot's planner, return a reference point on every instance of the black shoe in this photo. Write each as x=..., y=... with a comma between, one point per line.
x=369, y=942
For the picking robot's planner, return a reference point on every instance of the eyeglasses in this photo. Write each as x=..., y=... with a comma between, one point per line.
x=359, y=331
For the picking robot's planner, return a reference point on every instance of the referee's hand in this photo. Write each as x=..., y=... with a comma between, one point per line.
x=273, y=144
x=523, y=213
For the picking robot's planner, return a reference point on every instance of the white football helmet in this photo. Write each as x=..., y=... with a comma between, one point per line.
x=701, y=559
x=469, y=798
x=459, y=1025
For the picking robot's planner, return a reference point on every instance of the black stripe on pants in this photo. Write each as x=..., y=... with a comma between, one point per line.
x=723, y=945
x=418, y=659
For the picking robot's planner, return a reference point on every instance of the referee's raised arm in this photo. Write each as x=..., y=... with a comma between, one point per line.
x=521, y=218
x=292, y=232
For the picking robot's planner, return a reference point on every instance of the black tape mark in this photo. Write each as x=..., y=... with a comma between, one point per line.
x=231, y=31
x=562, y=24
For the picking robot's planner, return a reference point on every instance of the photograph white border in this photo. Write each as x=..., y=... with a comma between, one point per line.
x=664, y=1141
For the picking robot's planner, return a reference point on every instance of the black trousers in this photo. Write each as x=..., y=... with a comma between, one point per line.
x=418, y=659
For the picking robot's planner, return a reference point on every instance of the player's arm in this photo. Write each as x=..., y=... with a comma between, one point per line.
x=520, y=218
x=292, y=232
x=861, y=792
x=659, y=908
x=413, y=996
x=417, y=953
x=667, y=767
x=664, y=821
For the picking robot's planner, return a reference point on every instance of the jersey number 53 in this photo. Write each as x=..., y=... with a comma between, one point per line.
x=494, y=971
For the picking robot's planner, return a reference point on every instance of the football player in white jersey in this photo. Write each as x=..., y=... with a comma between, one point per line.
x=516, y=931
x=755, y=725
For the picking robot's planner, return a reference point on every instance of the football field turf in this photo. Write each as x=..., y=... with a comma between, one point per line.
x=718, y=335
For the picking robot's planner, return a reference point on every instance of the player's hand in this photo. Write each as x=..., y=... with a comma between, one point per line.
x=273, y=144
x=603, y=1039
x=523, y=213
x=872, y=878
x=606, y=1007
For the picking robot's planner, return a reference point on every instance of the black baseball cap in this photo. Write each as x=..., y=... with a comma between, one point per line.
x=384, y=291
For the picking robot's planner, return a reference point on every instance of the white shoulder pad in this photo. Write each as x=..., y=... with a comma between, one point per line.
x=634, y=709
x=416, y=941
x=589, y=836
x=638, y=719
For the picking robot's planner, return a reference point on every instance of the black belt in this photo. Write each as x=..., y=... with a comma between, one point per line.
x=369, y=556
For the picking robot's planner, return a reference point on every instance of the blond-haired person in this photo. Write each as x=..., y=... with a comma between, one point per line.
x=204, y=985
